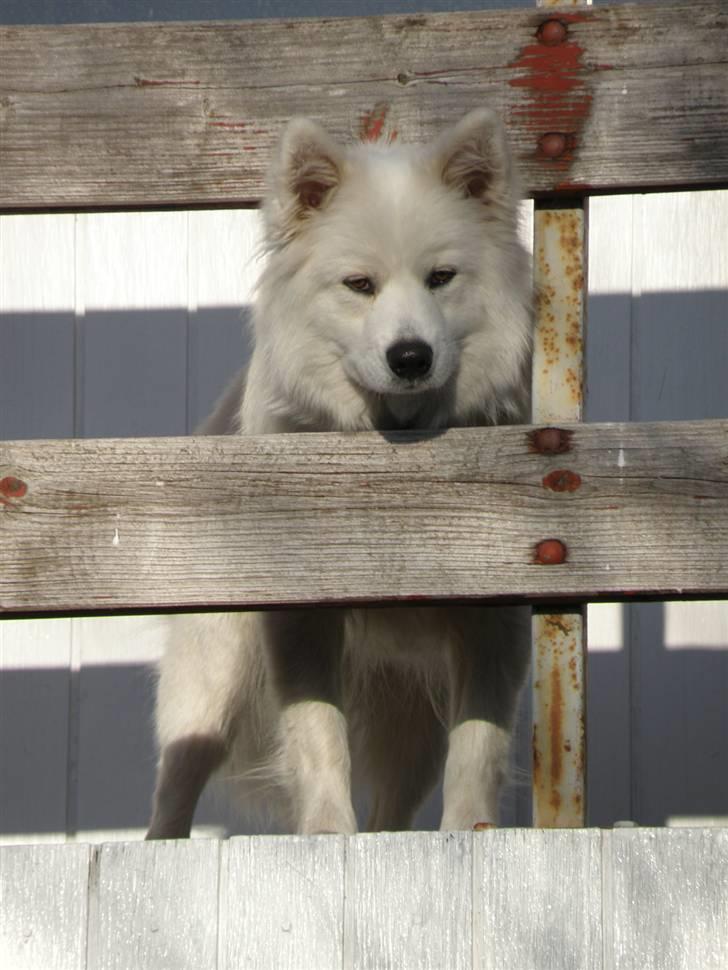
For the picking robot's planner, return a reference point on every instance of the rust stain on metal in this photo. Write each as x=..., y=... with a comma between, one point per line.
x=550, y=441
x=12, y=487
x=558, y=623
x=550, y=552
x=562, y=480
x=556, y=97
x=556, y=718
x=559, y=273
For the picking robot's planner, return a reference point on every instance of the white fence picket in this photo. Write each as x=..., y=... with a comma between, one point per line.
x=408, y=902
x=282, y=903
x=154, y=906
x=43, y=906
x=537, y=900
x=670, y=898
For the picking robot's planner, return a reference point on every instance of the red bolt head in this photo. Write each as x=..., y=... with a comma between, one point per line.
x=550, y=441
x=553, y=144
x=550, y=552
x=13, y=487
x=552, y=32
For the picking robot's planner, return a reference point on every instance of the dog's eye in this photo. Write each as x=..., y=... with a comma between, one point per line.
x=440, y=277
x=360, y=284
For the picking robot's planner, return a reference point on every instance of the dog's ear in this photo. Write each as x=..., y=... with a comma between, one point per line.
x=473, y=157
x=305, y=173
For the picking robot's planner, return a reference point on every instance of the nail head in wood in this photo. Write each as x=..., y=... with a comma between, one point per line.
x=552, y=32
x=550, y=552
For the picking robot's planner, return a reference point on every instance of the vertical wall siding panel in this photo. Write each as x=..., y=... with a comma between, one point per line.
x=37, y=296
x=224, y=265
x=608, y=376
x=116, y=748
x=34, y=700
x=132, y=281
x=37, y=293
x=680, y=362
x=132, y=305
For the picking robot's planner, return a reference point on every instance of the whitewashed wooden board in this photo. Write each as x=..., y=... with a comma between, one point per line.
x=154, y=907
x=537, y=902
x=509, y=899
x=43, y=906
x=669, y=899
x=282, y=903
x=409, y=902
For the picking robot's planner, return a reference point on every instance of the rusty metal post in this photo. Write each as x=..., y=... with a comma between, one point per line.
x=559, y=637
x=559, y=741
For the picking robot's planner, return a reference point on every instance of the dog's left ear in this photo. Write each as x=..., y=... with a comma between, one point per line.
x=305, y=173
x=473, y=157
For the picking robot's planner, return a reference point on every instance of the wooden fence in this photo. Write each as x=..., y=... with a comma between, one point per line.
x=596, y=99
x=628, y=899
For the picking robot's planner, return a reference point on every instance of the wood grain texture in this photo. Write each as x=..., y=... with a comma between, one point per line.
x=151, y=114
x=282, y=903
x=43, y=906
x=670, y=899
x=537, y=900
x=509, y=899
x=308, y=518
x=154, y=906
x=409, y=902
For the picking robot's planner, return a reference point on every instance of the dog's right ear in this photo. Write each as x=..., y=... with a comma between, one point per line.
x=305, y=173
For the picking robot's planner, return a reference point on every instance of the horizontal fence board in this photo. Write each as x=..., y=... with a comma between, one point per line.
x=153, y=114
x=169, y=523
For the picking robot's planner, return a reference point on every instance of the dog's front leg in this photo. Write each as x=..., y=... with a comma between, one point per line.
x=304, y=650
x=487, y=672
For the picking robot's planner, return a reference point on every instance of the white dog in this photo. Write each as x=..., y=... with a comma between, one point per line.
x=396, y=295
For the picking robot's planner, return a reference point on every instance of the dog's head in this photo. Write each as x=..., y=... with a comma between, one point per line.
x=396, y=294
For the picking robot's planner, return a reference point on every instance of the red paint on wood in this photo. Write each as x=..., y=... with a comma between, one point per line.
x=556, y=94
x=373, y=124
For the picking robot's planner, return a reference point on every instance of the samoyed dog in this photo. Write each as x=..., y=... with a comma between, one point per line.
x=395, y=296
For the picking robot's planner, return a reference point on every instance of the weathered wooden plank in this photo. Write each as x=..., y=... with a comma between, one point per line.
x=669, y=891
x=149, y=114
x=309, y=518
x=537, y=900
x=154, y=906
x=409, y=902
x=282, y=903
x=43, y=906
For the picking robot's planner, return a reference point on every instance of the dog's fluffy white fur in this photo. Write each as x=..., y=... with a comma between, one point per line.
x=395, y=295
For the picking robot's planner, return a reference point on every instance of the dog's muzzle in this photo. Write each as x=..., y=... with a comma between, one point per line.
x=410, y=360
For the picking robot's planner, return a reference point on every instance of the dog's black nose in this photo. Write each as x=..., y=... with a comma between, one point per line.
x=410, y=359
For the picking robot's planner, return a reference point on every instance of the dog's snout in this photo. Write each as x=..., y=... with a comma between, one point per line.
x=410, y=359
